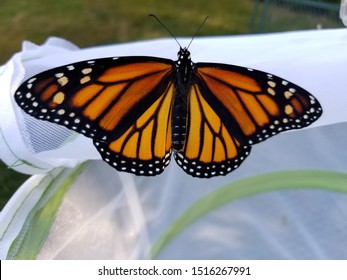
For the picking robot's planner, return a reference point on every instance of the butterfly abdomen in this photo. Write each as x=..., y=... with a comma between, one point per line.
x=179, y=123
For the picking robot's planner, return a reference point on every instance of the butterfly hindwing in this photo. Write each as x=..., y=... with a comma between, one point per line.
x=256, y=105
x=210, y=149
x=145, y=148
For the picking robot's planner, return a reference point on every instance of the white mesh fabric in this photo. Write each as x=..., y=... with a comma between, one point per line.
x=25, y=138
x=114, y=215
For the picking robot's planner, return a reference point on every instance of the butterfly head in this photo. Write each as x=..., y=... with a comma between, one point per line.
x=184, y=58
x=184, y=65
x=183, y=53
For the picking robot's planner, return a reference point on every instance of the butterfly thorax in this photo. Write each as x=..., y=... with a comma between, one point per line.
x=184, y=68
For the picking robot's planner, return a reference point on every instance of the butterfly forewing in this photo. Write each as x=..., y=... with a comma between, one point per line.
x=101, y=98
x=256, y=105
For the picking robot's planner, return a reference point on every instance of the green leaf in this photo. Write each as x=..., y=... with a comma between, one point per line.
x=38, y=223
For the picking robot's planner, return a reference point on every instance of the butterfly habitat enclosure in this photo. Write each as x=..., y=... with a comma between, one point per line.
x=285, y=201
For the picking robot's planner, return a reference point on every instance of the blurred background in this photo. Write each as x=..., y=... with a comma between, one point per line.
x=88, y=23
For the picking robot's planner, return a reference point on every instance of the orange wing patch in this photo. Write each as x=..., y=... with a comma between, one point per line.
x=129, y=71
x=237, y=93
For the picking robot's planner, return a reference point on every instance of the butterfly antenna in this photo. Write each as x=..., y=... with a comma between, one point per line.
x=197, y=31
x=167, y=29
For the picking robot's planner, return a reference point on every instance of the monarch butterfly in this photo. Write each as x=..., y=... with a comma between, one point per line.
x=139, y=110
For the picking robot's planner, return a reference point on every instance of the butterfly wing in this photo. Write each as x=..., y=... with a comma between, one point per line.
x=230, y=108
x=255, y=105
x=123, y=104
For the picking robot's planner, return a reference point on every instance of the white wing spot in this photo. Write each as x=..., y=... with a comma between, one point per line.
x=288, y=94
x=84, y=80
x=271, y=91
x=86, y=71
x=271, y=83
x=63, y=81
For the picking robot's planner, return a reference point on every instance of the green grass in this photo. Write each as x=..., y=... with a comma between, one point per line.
x=89, y=23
